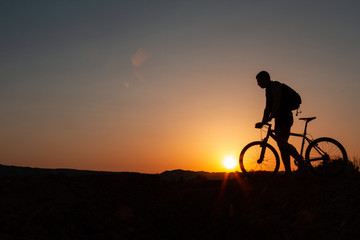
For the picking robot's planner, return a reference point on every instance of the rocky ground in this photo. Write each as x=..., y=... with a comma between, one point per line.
x=178, y=205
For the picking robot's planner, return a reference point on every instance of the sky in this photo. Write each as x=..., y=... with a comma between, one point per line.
x=149, y=86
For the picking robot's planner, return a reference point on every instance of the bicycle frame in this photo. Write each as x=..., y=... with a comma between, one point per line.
x=329, y=153
x=271, y=133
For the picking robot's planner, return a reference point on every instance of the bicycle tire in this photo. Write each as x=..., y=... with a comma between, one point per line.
x=334, y=157
x=250, y=155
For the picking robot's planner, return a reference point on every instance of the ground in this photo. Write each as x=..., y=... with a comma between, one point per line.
x=177, y=205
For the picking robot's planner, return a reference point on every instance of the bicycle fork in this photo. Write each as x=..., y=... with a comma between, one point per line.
x=262, y=154
x=263, y=148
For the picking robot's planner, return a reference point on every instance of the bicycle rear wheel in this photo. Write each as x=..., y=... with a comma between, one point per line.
x=252, y=167
x=327, y=157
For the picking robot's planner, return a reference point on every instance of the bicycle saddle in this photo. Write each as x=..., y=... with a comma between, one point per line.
x=307, y=119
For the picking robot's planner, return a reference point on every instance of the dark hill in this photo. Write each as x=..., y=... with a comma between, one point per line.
x=100, y=206
x=28, y=171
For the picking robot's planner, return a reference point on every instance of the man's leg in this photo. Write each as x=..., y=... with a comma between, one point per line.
x=285, y=156
x=283, y=125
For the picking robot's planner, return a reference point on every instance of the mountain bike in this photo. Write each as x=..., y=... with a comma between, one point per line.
x=324, y=156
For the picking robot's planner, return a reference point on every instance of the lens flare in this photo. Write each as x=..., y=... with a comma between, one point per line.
x=141, y=56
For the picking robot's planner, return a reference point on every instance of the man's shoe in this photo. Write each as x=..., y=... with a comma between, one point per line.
x=302, y=167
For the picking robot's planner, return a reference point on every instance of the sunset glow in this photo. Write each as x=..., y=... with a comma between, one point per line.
x=230, y=163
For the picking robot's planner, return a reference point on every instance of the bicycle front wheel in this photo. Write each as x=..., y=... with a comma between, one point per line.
x=251, y=164
x=327, y=157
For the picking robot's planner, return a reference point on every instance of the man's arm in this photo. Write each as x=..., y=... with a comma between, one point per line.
x=271, y=110
x=276, y=93
x=266, y=117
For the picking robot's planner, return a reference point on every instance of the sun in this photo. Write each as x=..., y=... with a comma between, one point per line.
x=229, y=162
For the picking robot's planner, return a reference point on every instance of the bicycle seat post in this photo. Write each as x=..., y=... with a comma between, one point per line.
x=307, y=120
x=305, y=129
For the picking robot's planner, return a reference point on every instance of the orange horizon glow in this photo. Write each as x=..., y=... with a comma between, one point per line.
x=156, y=86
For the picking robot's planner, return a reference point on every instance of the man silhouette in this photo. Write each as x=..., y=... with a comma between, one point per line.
x=276, y=108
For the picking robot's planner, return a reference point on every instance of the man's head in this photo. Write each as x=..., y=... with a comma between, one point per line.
x=263, y=79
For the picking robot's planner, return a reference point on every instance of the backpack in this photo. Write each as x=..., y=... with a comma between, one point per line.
x=293, y=99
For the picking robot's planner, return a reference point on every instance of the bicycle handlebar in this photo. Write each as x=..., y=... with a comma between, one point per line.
x=261, y=124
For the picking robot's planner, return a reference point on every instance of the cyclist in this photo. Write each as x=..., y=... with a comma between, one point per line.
x=276, y=108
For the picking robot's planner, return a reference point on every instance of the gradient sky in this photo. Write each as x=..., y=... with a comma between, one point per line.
x=150, y=86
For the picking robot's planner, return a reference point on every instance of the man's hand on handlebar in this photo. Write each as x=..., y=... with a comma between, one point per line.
x=259, y=125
